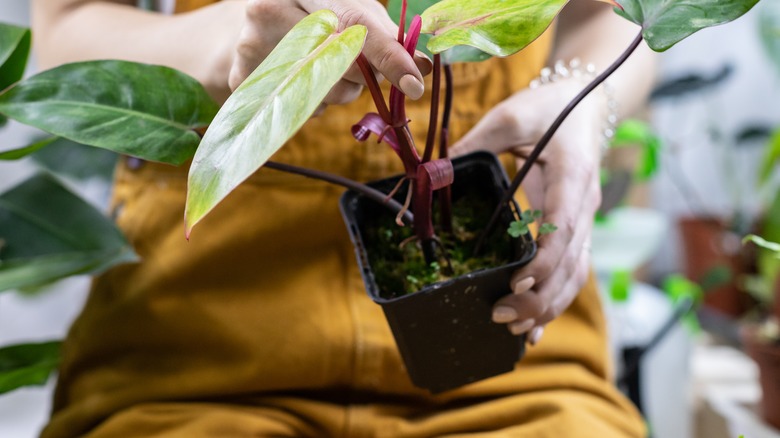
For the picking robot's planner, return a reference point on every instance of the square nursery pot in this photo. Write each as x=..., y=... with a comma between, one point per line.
x=444, y=332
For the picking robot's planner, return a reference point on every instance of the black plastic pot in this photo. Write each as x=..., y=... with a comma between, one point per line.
x=444, y=332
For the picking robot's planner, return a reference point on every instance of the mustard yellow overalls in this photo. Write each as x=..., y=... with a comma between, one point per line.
x=260, y=325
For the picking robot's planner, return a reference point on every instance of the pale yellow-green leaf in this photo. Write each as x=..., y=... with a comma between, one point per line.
x=269, y=107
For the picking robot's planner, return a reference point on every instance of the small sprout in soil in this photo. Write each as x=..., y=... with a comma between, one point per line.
x=519, y=227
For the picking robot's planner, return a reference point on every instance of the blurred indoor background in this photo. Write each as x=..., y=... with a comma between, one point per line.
x=698, y=156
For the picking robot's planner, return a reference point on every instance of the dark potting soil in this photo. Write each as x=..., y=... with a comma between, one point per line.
x=397, y=261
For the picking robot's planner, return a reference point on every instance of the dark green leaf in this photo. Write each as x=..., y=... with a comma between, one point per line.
x=49, y=233
x=269, y=107
x=136, y=109
x=64, y=157
x=497, y=27
x=690, y=84
x=27, y=364
x=667, y=22
x=15, y=154
x=14, y=51
x=753, y=133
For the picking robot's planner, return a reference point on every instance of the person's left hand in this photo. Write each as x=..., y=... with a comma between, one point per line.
x=565, y=187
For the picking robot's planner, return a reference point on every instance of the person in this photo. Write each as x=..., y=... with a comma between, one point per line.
x=260, y=326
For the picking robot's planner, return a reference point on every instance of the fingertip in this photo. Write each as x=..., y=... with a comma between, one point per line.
x=520, y=327
x=536, y=335
x=412, y=87
x=523, y=285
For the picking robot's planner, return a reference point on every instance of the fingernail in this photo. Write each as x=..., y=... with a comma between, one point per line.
x=423, y=56
x=518, y=328
x=504, y=314
x=536, y=335
x=411, y=87
x=524, y=285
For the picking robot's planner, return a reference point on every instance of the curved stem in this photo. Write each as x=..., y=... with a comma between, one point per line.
x=529, y=162
x=363, y=189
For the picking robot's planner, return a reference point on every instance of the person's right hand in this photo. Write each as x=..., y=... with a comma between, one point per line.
x=267, y=21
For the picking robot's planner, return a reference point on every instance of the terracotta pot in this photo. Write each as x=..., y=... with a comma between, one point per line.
x=767, y=356
x=444, y=332
x=707, y=244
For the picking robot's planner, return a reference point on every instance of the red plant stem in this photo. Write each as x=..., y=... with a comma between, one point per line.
x=373, y=88
x=402, y=22
x=423, y=226
x=434, y=118
x=409, y=154
x=445, y=194
x=529, y=162
x=363, y=189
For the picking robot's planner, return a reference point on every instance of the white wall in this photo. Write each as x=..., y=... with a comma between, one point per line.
x=750, y=96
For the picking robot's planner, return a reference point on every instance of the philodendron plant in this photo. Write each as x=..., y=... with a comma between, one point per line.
x=158, y=114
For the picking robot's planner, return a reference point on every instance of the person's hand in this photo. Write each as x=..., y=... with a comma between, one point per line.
x=267, y=21
x=565, y=187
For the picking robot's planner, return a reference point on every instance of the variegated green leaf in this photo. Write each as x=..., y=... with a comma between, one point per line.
x=667, y=22
x=269, y=107
x=497, y=27
x=147, y=111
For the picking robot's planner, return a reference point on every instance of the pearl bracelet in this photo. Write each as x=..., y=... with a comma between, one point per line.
x=574, y=69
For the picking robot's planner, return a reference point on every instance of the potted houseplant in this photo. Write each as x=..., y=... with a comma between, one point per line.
x=247, y=130
x=762, y=340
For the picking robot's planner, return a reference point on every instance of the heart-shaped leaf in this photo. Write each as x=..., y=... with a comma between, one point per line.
x=14, y=51
x=142, y=110
x=48, y=233
x=269, y=107
x=497, y=27
x=665, y=23
x=27, y=364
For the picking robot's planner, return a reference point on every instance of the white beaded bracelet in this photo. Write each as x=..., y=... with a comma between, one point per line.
x=574, y=69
